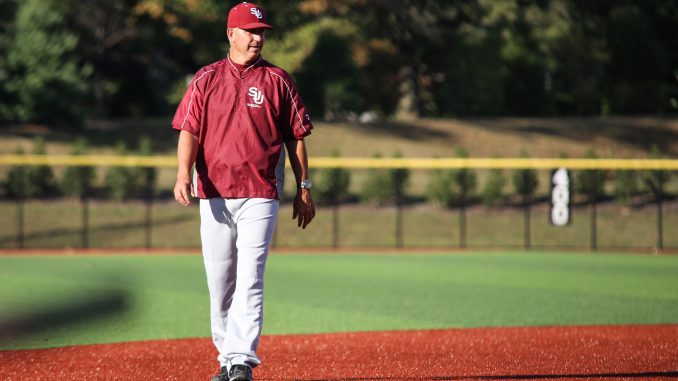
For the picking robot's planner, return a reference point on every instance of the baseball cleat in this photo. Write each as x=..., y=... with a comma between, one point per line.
x=222, y=376
x=240, y=373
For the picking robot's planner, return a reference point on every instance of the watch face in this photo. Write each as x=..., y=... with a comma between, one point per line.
x=306, y=184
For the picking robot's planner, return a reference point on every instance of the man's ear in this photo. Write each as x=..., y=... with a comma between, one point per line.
x=229, y=34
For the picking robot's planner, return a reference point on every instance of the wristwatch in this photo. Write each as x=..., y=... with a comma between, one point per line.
x=305, y=184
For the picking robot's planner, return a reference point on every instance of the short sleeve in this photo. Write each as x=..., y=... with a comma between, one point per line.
x=189, y=112
x=297, y=120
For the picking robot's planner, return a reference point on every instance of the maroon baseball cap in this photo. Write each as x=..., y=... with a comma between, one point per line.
x=247, y=16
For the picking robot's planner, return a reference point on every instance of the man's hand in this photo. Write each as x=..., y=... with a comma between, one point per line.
x=187, y=149
x=182, y=189
x=303, y=208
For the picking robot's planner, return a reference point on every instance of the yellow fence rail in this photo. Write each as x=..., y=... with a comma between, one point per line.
x=360, y=163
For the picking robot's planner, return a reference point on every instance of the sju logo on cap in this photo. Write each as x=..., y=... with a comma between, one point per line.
x=256, y=12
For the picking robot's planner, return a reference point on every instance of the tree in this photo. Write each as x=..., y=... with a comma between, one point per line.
x=7, y=13
x=45, y=81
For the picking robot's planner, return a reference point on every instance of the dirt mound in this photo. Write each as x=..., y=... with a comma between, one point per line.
x=552, y=353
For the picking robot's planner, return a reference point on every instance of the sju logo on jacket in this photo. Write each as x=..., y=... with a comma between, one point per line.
x=257, y=97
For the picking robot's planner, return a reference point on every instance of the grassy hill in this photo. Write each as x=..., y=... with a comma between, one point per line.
x=121, y=224
x=612, y=137
x=617, y=137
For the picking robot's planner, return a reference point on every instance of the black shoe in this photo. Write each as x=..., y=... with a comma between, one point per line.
x=240, y=373
x=222, y=376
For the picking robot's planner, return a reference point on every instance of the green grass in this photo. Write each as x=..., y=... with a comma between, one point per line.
x=347, y=292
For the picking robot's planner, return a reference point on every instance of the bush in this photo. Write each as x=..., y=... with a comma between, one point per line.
x=655, y=180
x=146, y=175
x=386, y=186
x=77, y=180
x=41, y=177
x=334, y=183
x=493, y=192
x=440, y=189
x=625, y=186
x=464, y=178
x=31, y=181
x=18, y=185
x=121, y=182
x=445, y=187
x=525, y=181
x=590, y=182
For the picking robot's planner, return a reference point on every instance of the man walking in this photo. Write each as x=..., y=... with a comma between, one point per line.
x=234, y=119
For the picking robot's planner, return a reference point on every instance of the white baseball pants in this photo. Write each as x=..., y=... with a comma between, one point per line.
x=236, y=236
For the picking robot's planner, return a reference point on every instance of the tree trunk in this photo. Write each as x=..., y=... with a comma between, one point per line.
x=407, y=105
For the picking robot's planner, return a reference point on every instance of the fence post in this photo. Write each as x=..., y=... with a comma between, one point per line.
x=594, y=215
x=148, y=223
x=660, y=223
x=399, y=223
x=148, y=217
x=462, y=223
x=527, y=237
x=84, y=201
x=335, y=224
x=20, y=223
x=594, y=224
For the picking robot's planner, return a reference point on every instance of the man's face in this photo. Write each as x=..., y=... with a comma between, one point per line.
x=246, y=44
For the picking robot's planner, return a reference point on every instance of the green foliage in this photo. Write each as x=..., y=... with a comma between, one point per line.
x=41, y=177
x=590, y=182
x=464, y=178
x=386, y=186
x=493, y=191
x=399, y=179
x=318, y=54
x=121, y=182
x=147, y=176
x=125, y=182
x=45, y=81
x=440, y=189
x=447, y=187
x=333, y=184
x=655, y=181
x=31, y=181
x=422, y=58
x=18, y=184
x=525, y=181
x=77, y=180
x=625, y=186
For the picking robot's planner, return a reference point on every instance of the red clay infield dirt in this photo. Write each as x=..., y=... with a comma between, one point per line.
x=635, y=352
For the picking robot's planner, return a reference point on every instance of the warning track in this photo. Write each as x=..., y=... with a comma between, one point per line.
x=640, y=352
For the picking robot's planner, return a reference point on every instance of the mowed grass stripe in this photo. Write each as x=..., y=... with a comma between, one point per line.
x=167, y=295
